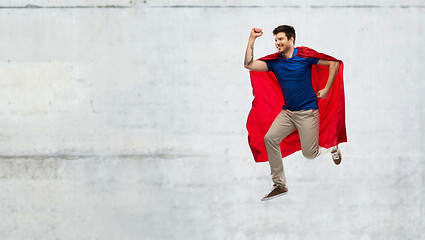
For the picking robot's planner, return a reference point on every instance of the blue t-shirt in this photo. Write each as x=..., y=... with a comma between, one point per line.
x=294, y=77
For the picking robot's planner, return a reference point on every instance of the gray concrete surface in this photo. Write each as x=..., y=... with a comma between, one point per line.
x=126, y=120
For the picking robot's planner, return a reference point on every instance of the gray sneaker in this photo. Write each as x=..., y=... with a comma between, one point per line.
x=275, y=192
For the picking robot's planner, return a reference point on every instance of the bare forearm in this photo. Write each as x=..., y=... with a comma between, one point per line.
x=249, y=53
x=249, y=62
x=333, y=70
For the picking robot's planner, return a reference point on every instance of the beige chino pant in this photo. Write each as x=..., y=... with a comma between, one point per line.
x=307, y=123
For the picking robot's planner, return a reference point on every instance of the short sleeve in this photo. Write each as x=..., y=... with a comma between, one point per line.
x=314, y=60
x=269, y=65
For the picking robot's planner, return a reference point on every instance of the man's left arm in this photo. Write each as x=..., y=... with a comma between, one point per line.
x=333, y=70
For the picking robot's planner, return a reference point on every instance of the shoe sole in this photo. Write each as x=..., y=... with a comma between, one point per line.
x=275, y=196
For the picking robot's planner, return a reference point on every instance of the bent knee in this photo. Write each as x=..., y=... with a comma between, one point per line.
x=311, y=154
x=270, y=138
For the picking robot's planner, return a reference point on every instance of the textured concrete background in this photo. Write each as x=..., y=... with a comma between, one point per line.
x=126, y=120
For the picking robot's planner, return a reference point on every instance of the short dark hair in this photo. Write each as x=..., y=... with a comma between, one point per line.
x=288, y=30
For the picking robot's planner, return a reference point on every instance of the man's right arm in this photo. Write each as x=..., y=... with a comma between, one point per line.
x=257, y=65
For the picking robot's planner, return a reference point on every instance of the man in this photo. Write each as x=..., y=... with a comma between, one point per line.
x=292, y=67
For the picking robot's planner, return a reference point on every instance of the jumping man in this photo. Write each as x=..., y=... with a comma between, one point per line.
x=301, y=110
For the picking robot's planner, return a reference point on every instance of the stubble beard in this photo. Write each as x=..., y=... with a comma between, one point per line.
x=280, y=49
x=284, y=49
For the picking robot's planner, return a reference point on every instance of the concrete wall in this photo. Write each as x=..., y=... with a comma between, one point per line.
x=126, y=120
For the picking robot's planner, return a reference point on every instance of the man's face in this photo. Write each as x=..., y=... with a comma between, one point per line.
x=282, y=43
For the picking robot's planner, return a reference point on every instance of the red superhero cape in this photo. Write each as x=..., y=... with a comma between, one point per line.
x=268, y=102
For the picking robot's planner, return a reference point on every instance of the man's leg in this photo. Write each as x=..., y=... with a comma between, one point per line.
x=308, y=122
x=282, y=126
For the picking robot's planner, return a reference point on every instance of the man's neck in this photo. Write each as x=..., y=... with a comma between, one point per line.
x=288, y=54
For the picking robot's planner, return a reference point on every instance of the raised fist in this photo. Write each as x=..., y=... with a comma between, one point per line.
x=256, y=32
